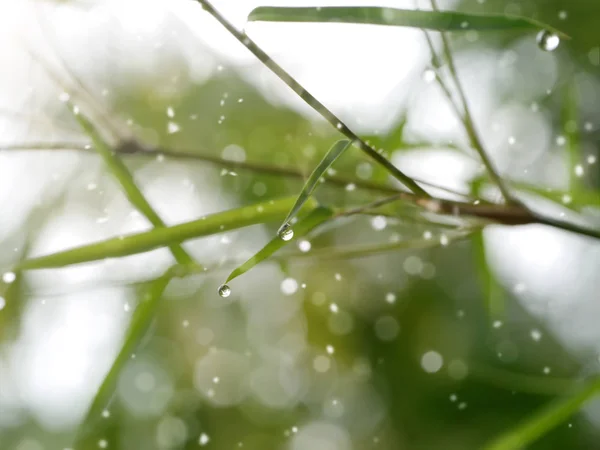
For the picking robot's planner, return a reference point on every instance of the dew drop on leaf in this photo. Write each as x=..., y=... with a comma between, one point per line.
x=224, y=291
x=547, y=40
x=286, y=233
x=2, y=303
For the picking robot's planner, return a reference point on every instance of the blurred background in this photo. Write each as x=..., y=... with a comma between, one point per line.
x=445, y=347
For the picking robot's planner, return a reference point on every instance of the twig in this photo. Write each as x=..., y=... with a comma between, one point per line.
x=243, y=38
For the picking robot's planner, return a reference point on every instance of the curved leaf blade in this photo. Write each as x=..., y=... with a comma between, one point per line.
x=332, y=154
x=314, y=219
x=161, y=237
x=545, y=420
x=430, y=20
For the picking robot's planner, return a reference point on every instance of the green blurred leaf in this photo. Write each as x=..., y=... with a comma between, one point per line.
x=493, y=292
x=570, y=125
x=332, y=154
x=541, y=423
x=140, y=322
x=431, y=20
x=124, y=177
x=314, y=219
x=160, y=237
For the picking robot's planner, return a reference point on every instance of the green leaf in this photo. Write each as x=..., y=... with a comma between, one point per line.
x=160, y=237
x=314, y=219
x=494, y=293
x=140, y=322
x=431, y=20
x=124, y=177
x=570, y=124
x=541, y=423
x=332, y=154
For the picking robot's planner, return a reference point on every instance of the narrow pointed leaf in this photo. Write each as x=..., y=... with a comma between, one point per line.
x=140, y=321
x=430, y=20
x=125, y=179
x=161, y=237
x=545, y=420
x=314, y=219
x=332, y=154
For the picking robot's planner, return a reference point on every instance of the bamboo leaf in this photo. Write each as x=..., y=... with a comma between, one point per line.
x=493, y=292
x=314, y=219
x=160, y=237
x=125, y=179
x=332, y=154
x=140, y=321
x=430, y=20
x=541, y=423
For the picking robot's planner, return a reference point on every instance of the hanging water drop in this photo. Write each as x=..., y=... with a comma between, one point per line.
x=224, y=291
x=547, y=40
x=286, y=233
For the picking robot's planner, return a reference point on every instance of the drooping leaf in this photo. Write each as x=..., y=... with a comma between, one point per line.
x=314, y=219
x=430, y=20
x=332, y=154
x=541, y=423
x=160, y=237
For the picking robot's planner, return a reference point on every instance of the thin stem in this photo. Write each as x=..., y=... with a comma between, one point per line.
x=469, y=122
x=132, y=148
x=243, y=38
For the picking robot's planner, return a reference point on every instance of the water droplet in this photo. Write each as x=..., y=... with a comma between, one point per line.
x=511, y=140
x=462, y=405
x=497, y=323
x=334, y=308
x=321, y=363
x=224, y=291
x=453, y=397
x=379, y=223
x=546, y=370
x=286, y=233
x=591, y=159
x=173, y=127
x=562, y=15
x=106, y=413
x=561, y=140
x=578, y=170
x=9, y=277
x=170, y=112
x=330, y=349
x=203, y=439
x=536, y=335
x=289, y=286
x=338, y=277
x=350, y=187
x=390, y=297
x=428, y=76
x=2, y=303
x=547, y=40
x=339, y=126
x=432, y=361
x=64, y=97
x=102, y=443
x=304, y=245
